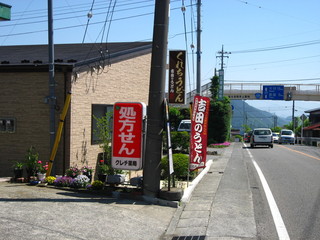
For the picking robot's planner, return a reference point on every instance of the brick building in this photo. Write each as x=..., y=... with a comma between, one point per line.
x=98, y=75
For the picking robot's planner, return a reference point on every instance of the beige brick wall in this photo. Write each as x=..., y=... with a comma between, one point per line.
x=126, y=81
x=22, y=97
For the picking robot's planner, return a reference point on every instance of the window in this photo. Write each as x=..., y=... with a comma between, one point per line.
x=7, y=125
x=98, y=111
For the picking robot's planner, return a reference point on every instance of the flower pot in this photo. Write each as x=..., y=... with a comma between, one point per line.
x=102, y=177
x=41, y=176
x=18, y=173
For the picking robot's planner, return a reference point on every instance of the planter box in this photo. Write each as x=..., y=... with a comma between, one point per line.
x=115, y=179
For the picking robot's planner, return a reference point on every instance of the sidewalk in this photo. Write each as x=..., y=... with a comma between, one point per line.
x=220, y=207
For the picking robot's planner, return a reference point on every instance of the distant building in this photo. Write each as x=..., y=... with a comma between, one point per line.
x=313, y=131
x=98, y=75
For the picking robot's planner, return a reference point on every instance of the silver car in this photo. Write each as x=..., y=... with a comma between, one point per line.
x=261, y=136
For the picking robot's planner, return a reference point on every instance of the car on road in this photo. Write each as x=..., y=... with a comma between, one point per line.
x=286, y=136
x=275, y=137
x=262, y=137
x=184, y=126
x=247, y=136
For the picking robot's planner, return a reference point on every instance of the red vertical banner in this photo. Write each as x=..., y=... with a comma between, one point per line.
x=177, y=76
x=127, y=136
x=199, y=132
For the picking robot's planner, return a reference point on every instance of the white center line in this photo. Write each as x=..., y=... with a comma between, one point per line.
x=280, y=227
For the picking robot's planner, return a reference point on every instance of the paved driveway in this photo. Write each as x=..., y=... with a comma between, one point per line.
x=31, y=212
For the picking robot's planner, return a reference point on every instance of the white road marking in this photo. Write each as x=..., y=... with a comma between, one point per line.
x=280, y=226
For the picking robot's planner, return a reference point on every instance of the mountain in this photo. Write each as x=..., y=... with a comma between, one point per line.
x=243, y=113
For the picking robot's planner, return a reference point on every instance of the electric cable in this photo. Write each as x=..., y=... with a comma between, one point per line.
x=89, y=18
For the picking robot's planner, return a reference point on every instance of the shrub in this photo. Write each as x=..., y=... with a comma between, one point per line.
x=179, y=141
x=97, y=185
x=50, y=180
x=73, y=172
x=81, y=181
x=180, y=165
x=63, y=181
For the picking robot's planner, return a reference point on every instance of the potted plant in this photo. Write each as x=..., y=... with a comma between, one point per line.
x=18, y=169
x=31, y=161
x=73, y=172
x=103, y=170
x=41, y=170
x=86, y=170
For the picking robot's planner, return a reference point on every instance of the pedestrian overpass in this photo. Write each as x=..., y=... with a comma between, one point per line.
x=254, y=91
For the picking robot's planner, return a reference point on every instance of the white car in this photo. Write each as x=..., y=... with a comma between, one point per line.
x=184, y=126
x=261, y=136
x=286, y=136
x=275, y=137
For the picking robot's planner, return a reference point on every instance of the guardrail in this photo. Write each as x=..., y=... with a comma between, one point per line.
x=310, y=141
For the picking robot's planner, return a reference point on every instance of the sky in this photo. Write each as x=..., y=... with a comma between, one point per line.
x=268, y=41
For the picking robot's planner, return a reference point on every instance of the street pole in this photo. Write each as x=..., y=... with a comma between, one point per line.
x=151, y=171
x=198, y=89
x=293, y=122
x=52, y=97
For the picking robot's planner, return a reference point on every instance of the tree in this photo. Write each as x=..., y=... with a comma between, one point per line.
x=220, y=115
x=219, y=121
x=246, y=128
x=214, y=88
x=276, y=129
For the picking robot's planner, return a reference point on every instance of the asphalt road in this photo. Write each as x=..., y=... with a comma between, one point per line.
x=293, y=175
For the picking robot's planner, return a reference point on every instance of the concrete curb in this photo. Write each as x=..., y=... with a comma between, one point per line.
x=187, y=194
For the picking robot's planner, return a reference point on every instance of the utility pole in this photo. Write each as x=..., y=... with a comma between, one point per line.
x=52, y=97
x=293, y=120
x=221, y=73
x=198, y=89
x=151, y=170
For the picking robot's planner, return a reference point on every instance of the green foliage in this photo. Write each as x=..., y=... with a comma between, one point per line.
x=180, y=141
x=239, y=137
x=178, y=114
x=246, y=128
x=219, y=121
x=276, y=129
x=97, y=185
x=17, y=165
x=180, y=165
x=214, y=88
x=104, y=132
x=31, y=161
x=103, y=169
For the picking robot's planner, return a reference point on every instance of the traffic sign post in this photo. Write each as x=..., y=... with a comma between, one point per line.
x=273, y=92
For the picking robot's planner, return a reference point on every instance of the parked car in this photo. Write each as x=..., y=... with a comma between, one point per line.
x=261, y=136
x=275, y=137
x=247, y=136
x=185, y=125
x=286, y=136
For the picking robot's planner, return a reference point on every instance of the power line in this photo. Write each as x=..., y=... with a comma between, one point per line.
x=286, y=60
x=280, y=47
x=82, y=25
